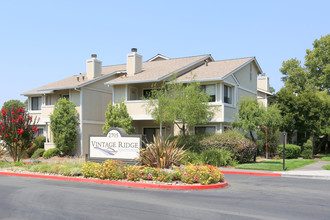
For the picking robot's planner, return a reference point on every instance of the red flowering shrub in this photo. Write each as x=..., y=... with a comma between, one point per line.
x=17, y=130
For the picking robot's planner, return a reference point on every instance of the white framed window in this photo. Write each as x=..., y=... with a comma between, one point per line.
x=35, y=103
x=205, y=130
x=228, y=94
x=210, y=90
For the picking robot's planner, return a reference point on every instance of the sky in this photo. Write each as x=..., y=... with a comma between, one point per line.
x=45, y=41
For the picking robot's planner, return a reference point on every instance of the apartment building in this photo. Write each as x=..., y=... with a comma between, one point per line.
x=226, y=81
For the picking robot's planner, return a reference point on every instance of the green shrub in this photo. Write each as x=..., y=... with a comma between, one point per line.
x=190, y=142
x=39, y=141
x=307, y=145
x=162, y=153
x=217, y=157
x=191, y=157
x=51, y=153
x=242, y=148
x=38, y=153
x=291, y=151
x=307, y=154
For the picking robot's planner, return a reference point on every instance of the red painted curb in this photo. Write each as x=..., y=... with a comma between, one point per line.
x=251, y=173
x=120, y=183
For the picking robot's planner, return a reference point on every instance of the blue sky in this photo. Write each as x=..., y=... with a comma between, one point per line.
x=45, y=41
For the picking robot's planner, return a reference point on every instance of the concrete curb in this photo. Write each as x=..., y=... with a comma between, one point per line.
x=251, y=173
x=120, y=183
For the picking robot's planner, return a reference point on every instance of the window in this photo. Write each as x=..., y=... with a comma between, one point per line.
x=205, y=130
x=66, y=97
x=147, y=93
x=210, y=90
x=151, y=132
x=36, y=103
x=40, y=132
x=228, y=94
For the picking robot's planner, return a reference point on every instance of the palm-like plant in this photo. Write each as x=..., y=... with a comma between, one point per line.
x=162, y=153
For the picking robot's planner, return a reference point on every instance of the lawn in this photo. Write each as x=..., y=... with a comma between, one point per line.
x=326, y=167
x=276, y=165
x=323, y=157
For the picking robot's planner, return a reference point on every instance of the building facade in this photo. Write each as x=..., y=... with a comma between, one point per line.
x=226, y=81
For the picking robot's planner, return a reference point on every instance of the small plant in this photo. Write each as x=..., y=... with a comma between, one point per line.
x=162, y=153
x=217, y=157
x=113, y=170
x=291, y=151
x=18, y=163
x=163, y=176
x=51, y=153
x=38, y=153
x=133, y=173
x=91, y=169
x=206, y=174
x=148, y=173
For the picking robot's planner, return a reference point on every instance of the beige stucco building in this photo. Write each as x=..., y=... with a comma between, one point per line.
x=226, y=81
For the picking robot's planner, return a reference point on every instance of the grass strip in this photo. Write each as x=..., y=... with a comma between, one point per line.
x=276, y=165
x=326, y=167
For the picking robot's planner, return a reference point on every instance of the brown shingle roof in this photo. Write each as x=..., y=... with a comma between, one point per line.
x=214, y=70
x=154, y=71
x=72, y=82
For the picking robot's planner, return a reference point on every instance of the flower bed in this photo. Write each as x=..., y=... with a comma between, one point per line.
x=117, y=170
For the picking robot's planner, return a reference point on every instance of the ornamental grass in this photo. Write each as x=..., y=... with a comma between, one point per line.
x=162, y=153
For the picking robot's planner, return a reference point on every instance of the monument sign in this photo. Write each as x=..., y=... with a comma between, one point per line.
x=116, y=144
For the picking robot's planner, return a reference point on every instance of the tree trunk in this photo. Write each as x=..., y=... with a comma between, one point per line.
x=253, y=140
x=183, y=130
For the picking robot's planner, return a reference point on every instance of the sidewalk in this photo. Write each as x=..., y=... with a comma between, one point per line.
x=312, y=171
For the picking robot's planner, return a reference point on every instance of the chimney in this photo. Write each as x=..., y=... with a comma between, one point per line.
x=94, y=67
x=134, y=63
x=263, y=82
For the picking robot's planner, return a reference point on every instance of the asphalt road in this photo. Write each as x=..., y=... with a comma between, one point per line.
x=247, y=197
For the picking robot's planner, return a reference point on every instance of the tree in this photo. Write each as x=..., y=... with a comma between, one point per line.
x=17, y=130
x=269, y=128
x=317, y=61
x=249, y=116
x=303, y=105
x=306, y=112
x=13, y=103
x=252, y=116
x=117, y=116
x=63, y=124
x=179, y=104
x=315, y=75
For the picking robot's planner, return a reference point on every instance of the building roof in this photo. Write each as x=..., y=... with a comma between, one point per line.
x=72, y=81
x=216, y=70
x=160, y=70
